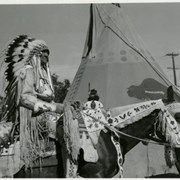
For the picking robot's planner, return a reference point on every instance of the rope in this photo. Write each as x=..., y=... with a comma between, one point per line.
x=139, y=139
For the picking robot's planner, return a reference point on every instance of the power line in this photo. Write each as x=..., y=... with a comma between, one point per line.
x=174, y=67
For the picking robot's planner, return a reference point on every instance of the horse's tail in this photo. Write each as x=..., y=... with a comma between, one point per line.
x=71, y=132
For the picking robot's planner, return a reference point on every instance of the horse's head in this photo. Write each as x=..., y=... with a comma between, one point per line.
x=169, y=120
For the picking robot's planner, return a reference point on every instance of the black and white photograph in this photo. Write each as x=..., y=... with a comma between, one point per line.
x=89, y=89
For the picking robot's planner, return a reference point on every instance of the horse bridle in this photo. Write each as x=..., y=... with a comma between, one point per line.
x=116, y=131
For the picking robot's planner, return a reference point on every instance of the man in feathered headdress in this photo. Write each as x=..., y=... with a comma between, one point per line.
x=29, y=95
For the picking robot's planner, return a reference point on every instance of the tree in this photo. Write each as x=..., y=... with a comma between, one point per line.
x=60, y=88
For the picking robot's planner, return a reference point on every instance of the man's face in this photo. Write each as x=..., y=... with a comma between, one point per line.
x=44, y=57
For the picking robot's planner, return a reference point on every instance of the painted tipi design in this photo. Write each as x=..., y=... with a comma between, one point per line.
x=116, y=63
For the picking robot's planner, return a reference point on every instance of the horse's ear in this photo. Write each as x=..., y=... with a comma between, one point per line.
x=170, y=94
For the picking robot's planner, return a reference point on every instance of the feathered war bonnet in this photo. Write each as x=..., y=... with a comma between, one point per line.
x=18, y=54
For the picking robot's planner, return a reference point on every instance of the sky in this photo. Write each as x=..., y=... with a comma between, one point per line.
x=64, y=28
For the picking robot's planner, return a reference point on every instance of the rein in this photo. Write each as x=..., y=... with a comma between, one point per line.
x=112, y=128
x=134, y=137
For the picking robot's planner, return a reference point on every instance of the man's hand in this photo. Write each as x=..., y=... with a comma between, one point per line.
x=41, y=106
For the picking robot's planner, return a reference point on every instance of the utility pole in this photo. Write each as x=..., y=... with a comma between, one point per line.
x=174, y=67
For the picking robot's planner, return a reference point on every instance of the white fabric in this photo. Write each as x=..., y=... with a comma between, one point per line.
x=90, y=154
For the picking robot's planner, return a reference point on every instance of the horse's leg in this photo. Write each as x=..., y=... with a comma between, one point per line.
x=177, y=152
x=60, y=172
x=62, y=154
x=106, y=166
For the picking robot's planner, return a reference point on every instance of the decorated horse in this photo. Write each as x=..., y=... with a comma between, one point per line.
x=95, y=143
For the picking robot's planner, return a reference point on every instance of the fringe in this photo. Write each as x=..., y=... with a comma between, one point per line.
x=32, y=142
x=169, y=128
